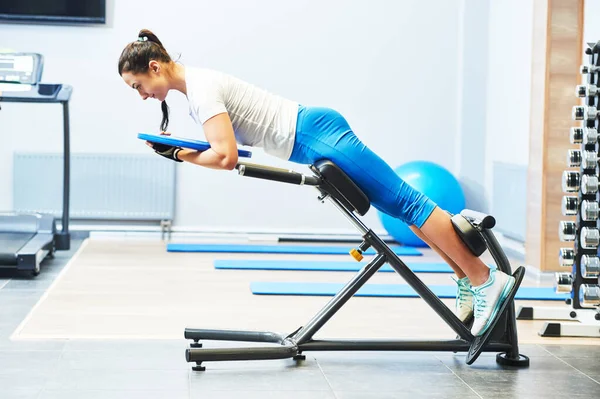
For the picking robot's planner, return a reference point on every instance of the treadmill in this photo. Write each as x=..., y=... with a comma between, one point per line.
x=26, y=239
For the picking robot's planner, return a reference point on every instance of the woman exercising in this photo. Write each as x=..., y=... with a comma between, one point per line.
x=232, y=111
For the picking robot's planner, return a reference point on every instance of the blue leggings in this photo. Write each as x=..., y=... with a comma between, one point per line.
x=322, y=133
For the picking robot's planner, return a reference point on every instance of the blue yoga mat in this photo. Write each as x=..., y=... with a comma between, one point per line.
x=281, y=249
x=387, y=290
x=322, y=266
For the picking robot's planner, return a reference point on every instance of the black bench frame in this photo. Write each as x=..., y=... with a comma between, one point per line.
x=474, y=229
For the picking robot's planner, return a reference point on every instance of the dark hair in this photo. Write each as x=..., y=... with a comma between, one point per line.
x=137, y=55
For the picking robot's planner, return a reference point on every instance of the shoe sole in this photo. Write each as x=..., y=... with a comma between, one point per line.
x=502, y=299
x=480, y=341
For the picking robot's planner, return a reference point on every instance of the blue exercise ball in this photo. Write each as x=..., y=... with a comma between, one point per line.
x=437, y=183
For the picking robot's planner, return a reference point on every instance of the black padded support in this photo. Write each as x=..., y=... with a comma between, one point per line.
x=469, y=235
x=340, y=186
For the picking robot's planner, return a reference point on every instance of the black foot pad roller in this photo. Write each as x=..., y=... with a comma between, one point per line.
x=480, y=341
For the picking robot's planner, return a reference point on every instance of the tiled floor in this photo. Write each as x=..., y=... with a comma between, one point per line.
x=115, y=369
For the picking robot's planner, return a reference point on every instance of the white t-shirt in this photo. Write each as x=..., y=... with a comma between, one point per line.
x=259, y=118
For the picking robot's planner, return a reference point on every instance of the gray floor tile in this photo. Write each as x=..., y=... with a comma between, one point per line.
x=528, y=350
x=6, y=330
x=5, y=292
x=413, y=381
x=125, y=355
x=510, y=392
x=33, y=285
x=151, y=359
x=587, y=365
x=582, y=351
x=117, y=380
x=129, y=346
x=28, y=361
x=462, y=394
x=114, y=394
x=530, y=393
x=10, y=323
x=522, y=383
x=160, y=354
x=24, y=393
x=8, y=327
x=27, y=345
x=373, y=361
x=594, y=377
x=262, y=395
x=21, y=380
x=15, y=298
x=22, y=297
x=251, y=379
x=14, y=313
x=488, y=363
x=277, y=364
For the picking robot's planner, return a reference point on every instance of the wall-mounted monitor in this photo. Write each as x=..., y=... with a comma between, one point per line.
x=55, y=11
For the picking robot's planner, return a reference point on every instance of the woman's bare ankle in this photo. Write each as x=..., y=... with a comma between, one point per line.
x=479, y=279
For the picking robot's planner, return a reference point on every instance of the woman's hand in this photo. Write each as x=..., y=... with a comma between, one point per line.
x=167, y=151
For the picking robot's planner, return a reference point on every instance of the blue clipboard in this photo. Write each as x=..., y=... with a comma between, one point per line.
x=183, y=142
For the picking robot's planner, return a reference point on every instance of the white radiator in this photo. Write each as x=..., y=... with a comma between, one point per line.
x=103, y=186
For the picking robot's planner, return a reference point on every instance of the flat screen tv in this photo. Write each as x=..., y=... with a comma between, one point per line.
x=56, y=11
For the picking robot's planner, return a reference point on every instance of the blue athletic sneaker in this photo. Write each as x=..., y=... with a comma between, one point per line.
x=464, y=299
x=488, y=299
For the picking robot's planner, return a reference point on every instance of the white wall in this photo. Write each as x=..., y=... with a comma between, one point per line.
x=389, y=67
x=591, y=27
x=508, y=86
x=472, y=102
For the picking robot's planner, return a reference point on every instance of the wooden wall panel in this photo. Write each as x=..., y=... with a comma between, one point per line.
x=557, y=54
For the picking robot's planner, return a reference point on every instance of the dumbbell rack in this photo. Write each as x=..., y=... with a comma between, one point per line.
x=583, y=279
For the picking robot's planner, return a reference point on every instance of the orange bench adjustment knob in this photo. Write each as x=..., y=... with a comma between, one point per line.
x=356, y=254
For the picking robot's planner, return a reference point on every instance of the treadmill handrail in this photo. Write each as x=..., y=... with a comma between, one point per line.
x=63, y=97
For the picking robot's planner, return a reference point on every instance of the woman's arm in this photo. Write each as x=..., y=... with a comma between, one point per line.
x=223, y=153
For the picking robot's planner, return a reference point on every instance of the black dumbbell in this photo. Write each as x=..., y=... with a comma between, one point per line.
x=577, y=158
x=571, y=181
x=590, y=294
x=567, y=230
x=585, y=69
x=589, y=184
x=589, y=237
x=585, y=135
x=590, y=266
x=569, y=205
x=563, y=282
x=589, y=210
x=584, y=113
x=586, y=90
x=566, y=257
